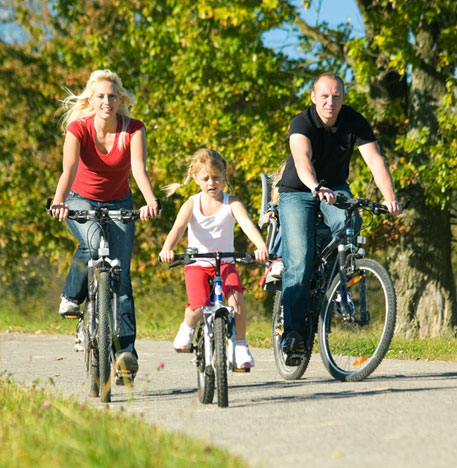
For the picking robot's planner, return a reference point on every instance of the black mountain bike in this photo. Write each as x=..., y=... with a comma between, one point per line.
x=352, y=306
x=98, y=325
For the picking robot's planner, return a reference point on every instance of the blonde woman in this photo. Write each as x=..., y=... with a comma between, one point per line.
x=103, y=144
x=210, y=216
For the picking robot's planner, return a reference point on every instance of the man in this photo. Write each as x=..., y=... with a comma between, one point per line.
x=322, y=140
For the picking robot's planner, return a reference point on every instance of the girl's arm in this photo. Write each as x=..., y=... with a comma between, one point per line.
x=174, y=236
x=70, y=162
x=138, y=162
x=241, y=215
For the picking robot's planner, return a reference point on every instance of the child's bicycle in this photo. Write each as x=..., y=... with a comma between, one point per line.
x=217, y=325
x=98, y=325
x=352, y=304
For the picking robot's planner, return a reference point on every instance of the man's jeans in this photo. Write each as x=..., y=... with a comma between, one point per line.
x=297, y=213
x=120, y=238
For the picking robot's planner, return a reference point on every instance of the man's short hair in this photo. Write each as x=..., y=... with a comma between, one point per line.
x=332, y=76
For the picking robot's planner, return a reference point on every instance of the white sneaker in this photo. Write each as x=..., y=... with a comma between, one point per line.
x=243, y=356
x=183, y=340
x=277, y=269
x=68, y=307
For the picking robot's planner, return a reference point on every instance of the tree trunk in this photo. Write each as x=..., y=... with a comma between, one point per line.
x=422, y=265
x=422, y=272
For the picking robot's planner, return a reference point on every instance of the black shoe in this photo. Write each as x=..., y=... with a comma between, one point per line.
x=293, y=347
x=126, y=368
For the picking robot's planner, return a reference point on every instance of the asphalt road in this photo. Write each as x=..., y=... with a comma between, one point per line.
x=404, y=415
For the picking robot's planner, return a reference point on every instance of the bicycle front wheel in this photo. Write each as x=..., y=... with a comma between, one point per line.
x=104, y=335
x=285, y=371
x=205, y=373
x=353, y=347
x=220, y=362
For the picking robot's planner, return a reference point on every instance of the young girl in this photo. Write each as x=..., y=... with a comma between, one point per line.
x=210, y=218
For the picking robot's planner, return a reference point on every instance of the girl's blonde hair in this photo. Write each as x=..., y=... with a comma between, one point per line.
x=201, y=159
x=274, y=189
x=77, y=107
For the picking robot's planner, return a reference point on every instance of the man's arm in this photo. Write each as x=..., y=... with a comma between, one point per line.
x=301, y=149
x=382, y=177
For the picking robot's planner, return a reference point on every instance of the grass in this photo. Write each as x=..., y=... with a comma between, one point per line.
x=41, y=429
x=159, y=316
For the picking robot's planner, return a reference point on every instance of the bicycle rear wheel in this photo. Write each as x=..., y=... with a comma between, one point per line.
x=104, y=336
x=205, y=372
x=352, y=348
x=221, y=362
x=286, y=372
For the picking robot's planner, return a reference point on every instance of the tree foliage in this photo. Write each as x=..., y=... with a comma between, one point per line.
x=202, y=78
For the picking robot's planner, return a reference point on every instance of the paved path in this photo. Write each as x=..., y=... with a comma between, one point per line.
x=405, y=415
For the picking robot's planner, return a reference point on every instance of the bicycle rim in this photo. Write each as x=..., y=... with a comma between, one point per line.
x=352, y=349
x=286, y=372
x=205, y=373
x=220, y=362
x=104, y=336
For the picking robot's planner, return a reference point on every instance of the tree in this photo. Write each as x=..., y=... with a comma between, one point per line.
x=201, y=75
x=404, y=79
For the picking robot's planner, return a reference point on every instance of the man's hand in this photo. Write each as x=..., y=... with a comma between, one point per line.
x=394, y=207
x=324, y=193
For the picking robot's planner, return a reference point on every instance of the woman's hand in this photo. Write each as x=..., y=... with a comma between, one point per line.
x=59, y=211
x=149, y=211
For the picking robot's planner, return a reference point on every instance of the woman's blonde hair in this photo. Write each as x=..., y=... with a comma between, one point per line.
x=77, y=107
x=201, y=159
x=274, y=189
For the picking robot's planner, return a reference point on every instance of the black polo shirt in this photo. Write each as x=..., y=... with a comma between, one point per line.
x=332, y=148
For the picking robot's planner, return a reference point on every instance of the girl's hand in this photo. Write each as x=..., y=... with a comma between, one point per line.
x=59, y=211
x=261, y=255
x=149, y=211
x=167, y=256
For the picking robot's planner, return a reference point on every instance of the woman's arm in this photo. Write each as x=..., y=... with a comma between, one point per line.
x=138, y=162
x=241, y=215
x=70, y=162
x=177, y=231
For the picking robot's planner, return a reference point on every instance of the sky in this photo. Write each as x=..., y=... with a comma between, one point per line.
x=333, y=12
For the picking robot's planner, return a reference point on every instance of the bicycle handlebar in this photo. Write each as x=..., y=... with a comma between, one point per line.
x=352, y=204
x=241, y=257
x=345, y=203
x=81, y=216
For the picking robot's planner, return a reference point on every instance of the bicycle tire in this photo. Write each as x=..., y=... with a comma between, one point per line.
x=286, y=372
x=352, y=349
x=205, y=373
x=104, y=336
x=220, y=362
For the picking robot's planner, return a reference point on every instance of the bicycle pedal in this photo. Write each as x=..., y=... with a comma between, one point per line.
x=294, y=359
x=70, y=316
x=185, y=350
x=233, y=368
x=124, y=377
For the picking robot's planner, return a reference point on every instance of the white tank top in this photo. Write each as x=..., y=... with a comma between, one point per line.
x=211, y=233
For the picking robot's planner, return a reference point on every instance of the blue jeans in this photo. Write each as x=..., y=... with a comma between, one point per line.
x=297, y=213
x=120, y=238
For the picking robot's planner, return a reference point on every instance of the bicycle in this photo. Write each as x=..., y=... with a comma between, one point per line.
x=216, y=326
x=98, y=324
x=352, y=305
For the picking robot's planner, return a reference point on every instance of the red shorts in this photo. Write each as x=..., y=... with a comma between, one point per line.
x=197, y=286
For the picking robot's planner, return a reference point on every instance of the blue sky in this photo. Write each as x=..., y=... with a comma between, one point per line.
x=333, y=12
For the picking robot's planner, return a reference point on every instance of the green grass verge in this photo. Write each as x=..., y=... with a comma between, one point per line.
x=39, y=429
x=159, y=316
